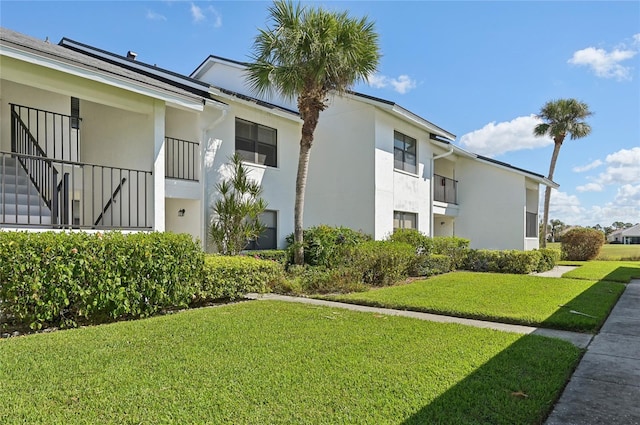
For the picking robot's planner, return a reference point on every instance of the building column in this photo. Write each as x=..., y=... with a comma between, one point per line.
x=158, y=166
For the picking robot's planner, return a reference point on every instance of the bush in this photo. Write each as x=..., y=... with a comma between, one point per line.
x=429, y=265
x=278, y=255
x=581, y=244
x=321, y=280
x=230, y=277
x=508, y=261
x=382, y=262
x=58, y=279
x=452, y=246
x=422, y=243
x=548, y=259
x=327, y=246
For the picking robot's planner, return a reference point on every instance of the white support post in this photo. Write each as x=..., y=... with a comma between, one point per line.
x=158, y=166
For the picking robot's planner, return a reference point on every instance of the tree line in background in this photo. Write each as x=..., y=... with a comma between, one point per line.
x=556, y=229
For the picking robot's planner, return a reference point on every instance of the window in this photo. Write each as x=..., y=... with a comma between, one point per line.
x=404, y=152
x=256, y=143
x=268, y=238
x=404, y=220
x=75, y=113
x=532, y=225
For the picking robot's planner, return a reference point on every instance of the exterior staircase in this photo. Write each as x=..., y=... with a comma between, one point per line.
x=20, y=202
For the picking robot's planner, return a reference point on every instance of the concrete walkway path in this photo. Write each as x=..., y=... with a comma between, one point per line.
x=605, y=388
x=578, y=339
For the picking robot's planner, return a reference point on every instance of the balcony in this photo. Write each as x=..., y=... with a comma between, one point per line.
x=445, y=189
x=182, y=159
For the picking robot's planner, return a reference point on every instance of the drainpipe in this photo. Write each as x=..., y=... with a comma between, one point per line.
x=432, y=189
x=203, y=175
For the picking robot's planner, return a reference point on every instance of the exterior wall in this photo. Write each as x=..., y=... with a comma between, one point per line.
x=189, y=223
x=278, y=183
x=397, y=190
x=492, y=206
x=340, y=184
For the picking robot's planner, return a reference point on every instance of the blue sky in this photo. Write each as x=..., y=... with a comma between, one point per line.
x=480, y=70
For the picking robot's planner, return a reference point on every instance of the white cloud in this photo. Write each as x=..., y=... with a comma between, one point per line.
x=495, y=139
x=590, y=187
x=591, y=166
x=608, y=64
x=628, y=195
x=197, y=14
x=622, y=167
x=208, y=14
x=625, y=207
x=402, y=84
x=153, y=16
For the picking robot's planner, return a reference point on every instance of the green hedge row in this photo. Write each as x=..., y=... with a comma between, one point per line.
x=231, y=277
x=510, y=261
x=59, y=279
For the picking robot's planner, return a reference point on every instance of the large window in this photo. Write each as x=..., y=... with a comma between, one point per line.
x=268, y=238
x=404, y=152
x=256, y=143
x=405, y=220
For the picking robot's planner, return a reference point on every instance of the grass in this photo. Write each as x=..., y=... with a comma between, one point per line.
x=614, y=271
x=520, y=299
x=269, y=362
x=612, y=252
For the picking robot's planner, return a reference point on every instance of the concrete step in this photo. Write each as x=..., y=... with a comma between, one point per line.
x=24, y=219
x=13, y=209
x=11, y=198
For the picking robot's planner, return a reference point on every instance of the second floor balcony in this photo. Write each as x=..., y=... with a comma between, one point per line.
x=445, y=189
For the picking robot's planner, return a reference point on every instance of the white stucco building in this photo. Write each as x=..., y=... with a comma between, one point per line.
x=91, y=139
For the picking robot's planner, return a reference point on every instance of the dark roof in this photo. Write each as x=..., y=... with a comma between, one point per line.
x=504, y=164
x=169, y=77
x=85, y=61
x=257, y=101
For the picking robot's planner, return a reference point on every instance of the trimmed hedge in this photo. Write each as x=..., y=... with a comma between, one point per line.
x=278, y=255
x=422, y=243
x=429, y=265
x=548, y=259
x=230, y=277
x=59, y=279
x=508, y=261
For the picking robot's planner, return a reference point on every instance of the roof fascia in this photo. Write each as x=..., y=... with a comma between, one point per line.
x=175, y=99
x=275, y=111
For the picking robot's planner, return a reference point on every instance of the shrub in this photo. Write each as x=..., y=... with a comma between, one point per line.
x=327, y=246
x=548, y=259
x=581, y=244
x=429, y=265
x=382, y=262
x=230, y=277
x=278, y=255
x=61, y=278
x=507, y=261
x=322, y=280
x=422, y=243
x=452, y=246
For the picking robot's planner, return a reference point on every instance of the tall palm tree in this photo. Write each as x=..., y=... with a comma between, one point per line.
x=560, y=117
x=309, y=53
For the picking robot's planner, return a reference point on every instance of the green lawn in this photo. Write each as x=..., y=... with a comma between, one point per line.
x=266, y=362
x=615, y=271
x=521, y=299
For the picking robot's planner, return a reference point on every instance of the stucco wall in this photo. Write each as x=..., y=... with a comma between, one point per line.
x=492, y=206
x=189, y=222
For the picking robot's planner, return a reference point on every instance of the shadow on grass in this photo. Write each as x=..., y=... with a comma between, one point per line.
x=520, y=385
x=623, y=274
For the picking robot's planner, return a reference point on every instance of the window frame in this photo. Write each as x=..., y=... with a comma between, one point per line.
x=254, y=245
x=256, y=143
x=403, y=218
x=407, y=166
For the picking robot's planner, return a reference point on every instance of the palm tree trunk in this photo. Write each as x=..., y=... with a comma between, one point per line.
x=301, y=184
x=547, y=192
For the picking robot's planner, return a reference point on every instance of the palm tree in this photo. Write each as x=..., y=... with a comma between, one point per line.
x=560, y=117
x=307, y=54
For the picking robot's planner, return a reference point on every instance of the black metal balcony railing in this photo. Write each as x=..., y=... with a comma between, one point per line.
x=182, y=159
x=57, y=135
x=83, y=195
x=445, y=189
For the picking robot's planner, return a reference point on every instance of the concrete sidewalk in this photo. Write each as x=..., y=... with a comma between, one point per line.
x=605, y=388
x=578, y=339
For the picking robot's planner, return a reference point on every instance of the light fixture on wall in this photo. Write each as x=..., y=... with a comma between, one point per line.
x=442, y=223
x=181, y=212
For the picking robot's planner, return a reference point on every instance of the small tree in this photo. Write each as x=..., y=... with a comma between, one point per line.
x=236, y=219
x=582, y=244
